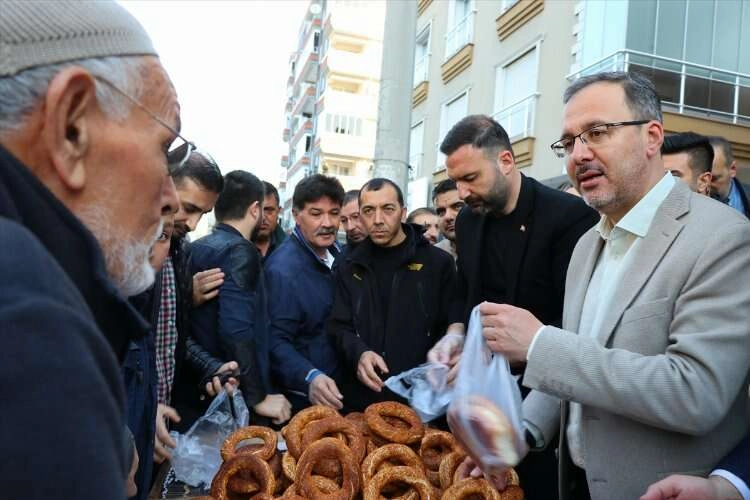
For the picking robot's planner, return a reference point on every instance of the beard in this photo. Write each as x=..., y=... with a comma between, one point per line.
x=126, y=259
x=494, y=201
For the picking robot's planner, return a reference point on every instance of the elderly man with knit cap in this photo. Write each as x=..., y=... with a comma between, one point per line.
x=87, y=117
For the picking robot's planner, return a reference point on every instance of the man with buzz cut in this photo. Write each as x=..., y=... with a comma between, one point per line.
x=394, y=294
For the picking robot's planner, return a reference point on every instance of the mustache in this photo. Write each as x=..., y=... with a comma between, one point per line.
x=587, y=167
x=325, y=231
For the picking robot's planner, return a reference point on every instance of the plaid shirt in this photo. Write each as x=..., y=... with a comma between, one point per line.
x=166, y=333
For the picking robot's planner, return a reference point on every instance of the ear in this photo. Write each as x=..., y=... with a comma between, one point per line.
x=704, y=183
x=403, y=214
x=255, y=211
x=654, y=138
x=506, y=162
x=70, y=108
x=295, y=214
x=733, y=168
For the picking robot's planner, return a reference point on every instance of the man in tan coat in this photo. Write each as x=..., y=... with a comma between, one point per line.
x=649, y=374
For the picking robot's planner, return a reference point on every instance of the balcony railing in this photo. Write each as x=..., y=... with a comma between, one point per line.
x=420, y=69
x=518, y=118
x=685, y=87
x=461, y=34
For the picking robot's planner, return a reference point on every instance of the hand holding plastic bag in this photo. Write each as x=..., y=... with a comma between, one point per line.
x=425, y=388
x=485, y=414
x=196, y=459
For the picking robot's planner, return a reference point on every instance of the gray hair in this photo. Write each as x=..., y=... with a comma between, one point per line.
x=640, y=93
x=22, y=92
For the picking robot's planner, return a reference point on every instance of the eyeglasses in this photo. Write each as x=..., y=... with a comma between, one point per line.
x=592, y=137
x=175, y=157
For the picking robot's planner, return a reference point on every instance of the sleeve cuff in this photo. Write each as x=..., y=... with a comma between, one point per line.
x=738, y=483
x=533, y=341
x=536, y=435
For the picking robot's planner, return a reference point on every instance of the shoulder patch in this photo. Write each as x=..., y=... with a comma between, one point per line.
x=357, y=276
x=415, y=267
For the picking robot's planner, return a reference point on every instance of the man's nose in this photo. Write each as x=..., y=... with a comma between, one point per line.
x=463, y=191
x=170, y=203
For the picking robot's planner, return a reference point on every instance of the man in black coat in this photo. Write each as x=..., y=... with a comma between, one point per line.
x=393, y=299
x=514, y=240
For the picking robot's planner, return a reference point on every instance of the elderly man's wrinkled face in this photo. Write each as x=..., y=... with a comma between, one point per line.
x=319, y=222
x=722, y=175
x=129, y=186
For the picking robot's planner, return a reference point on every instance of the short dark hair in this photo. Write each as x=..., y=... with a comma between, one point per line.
x=350, y=196
x=377, y=184
x=201, y=169
x=443, y=187
x=241, y=189
x=420, y=211
x=698, y=148
x=271, y=190
x=315, y=187
x=640, y=92
x=719, y=142
x=481, y=131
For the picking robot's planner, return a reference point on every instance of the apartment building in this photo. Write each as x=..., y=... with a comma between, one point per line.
x=512, y=59
x=333, y=88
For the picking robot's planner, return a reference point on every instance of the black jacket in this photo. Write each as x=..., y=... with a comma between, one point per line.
x=63, y=410
x=419, y=309
x=550, y=222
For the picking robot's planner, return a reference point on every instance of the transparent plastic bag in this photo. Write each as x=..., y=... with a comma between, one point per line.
x=425, y=388
x=197, y=457
x=485, y=414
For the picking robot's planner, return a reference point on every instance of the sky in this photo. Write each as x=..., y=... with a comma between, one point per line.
x=229, y=61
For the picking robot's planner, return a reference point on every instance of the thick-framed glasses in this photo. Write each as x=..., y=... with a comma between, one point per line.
x=592, y=137
x=179, y=150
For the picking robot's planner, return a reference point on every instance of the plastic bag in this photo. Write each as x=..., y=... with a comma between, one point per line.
x=197, y=457
x=485, y=414
x=425, y=388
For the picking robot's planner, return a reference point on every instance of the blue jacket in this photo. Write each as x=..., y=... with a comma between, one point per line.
x=233, y=326
x=300, y=297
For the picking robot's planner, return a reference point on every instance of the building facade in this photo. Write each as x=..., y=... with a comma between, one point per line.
x=512, y=59
x=333, y=88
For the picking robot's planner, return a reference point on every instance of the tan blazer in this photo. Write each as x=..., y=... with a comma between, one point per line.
x=663, y=385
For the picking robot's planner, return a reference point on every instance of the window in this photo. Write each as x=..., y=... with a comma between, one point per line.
x=422, y=56
x=460, y=26
x=515, y=94
x=316, y=41
x=450, y=114
x=415, y=150
x=344, y=124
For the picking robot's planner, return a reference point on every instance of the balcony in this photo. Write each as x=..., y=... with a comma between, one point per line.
x=308, y=73
x=303, y=162
x=306, y=127
x=461, y=35
x=287, y=133
x=285, y=161
x=518, y=118
x=306, y=102
x=684, y=87
x=358, y=64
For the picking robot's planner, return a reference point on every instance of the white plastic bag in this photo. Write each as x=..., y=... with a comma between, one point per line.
x=485, y=414
x=425, y=388
x=197, y=457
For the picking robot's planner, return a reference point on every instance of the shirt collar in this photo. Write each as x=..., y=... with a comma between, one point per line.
x=639, y=218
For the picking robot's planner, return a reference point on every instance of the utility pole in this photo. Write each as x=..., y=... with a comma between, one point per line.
x=394, y=106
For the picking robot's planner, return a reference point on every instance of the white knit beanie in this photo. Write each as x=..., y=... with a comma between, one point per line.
x=37, y=33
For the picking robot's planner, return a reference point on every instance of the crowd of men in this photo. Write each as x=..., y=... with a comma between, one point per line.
x=623, y=311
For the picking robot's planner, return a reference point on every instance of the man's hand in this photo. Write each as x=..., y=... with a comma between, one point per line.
x=508, y=330
x=447, y=351
x=214, y=387
x=323, y=391
x=469, y=469
x=276, y=407
x=162, y=438
x=369, y=363
x=679, y=487
x=206, y=285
